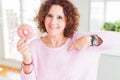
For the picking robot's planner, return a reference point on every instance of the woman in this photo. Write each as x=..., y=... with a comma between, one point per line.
x=62, y=54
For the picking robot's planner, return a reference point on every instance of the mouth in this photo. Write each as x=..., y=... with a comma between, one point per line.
x=53, y=27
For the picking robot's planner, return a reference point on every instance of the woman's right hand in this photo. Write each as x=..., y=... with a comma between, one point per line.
x=24, y=49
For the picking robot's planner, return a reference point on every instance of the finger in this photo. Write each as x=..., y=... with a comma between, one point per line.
x=79, y=48
x=25, y=50
x=26, y=39
x=71, y=47
x=22, y=40
x=23, y=45
x=20, y=47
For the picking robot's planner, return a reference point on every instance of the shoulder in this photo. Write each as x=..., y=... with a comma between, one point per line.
x=37, y=39
x=80, y=34
x=34, y=42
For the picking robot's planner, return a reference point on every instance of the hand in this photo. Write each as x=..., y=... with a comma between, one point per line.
x=25, y=31
x=24, y=49
x=80, y=43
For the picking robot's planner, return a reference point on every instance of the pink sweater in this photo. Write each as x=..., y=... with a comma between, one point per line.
x=59, y=64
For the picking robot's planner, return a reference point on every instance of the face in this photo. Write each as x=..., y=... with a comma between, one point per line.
x=55, y=21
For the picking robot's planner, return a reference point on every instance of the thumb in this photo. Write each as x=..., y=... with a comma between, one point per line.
x=25, y=40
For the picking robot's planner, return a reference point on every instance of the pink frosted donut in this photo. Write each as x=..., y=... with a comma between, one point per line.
x=25, y=31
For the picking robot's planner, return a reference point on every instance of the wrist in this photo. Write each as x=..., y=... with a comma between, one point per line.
x=95, y=40
x=27, y=64
x=27, y=59
x=27, y=67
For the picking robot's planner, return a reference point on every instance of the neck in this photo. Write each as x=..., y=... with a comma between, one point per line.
x=54, y=41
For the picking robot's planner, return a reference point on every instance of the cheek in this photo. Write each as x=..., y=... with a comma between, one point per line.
x=63, y=25
x=46, y=21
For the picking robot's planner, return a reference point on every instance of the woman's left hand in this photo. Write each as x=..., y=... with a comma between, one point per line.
x=80, y=43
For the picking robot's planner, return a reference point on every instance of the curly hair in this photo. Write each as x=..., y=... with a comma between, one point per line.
x=70, y=11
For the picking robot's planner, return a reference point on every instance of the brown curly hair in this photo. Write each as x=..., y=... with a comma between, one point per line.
x=70, y=11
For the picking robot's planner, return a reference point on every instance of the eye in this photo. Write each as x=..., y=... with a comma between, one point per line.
x=49, y=15
x=59, y=17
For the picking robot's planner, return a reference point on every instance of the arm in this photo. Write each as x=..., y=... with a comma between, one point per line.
x=30, y=76
x=27, y=72
x=82, y=42
x=107, y=39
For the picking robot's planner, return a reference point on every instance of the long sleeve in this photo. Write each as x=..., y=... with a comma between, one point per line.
x=30, y=76
x=110, y=39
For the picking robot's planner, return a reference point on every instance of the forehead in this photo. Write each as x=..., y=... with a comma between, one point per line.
x=56, y=9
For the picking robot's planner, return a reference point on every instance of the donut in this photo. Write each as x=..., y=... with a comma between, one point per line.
x=25, y=31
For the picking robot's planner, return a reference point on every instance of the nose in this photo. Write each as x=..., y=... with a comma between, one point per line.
x=53, y=21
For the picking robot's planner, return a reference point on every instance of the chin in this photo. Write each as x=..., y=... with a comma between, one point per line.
x=54, y=34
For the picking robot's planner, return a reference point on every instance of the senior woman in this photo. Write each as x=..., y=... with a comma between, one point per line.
x=62, y=54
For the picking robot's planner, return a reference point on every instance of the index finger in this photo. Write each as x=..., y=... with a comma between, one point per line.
x=71, y=47
x=22, y=40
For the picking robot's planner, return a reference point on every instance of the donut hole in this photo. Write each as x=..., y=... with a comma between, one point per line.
x=25, y=32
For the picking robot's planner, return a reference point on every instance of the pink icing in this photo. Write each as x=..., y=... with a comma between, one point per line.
x=25, y=31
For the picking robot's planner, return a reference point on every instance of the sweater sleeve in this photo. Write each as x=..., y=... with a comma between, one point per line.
x=110, y=39
x=30, y=76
